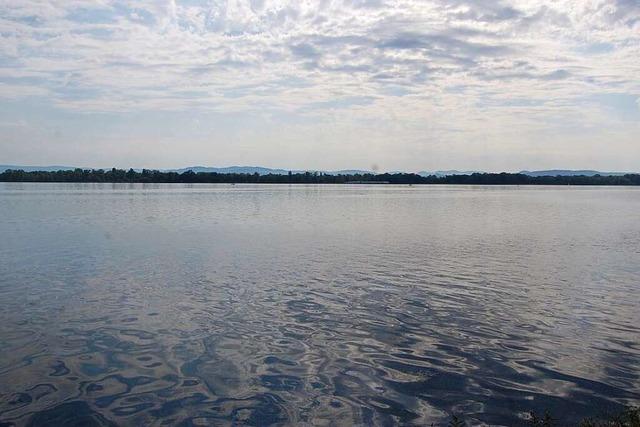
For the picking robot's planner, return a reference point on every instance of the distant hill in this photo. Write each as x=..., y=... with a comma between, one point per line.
x=196, y=169
x=229, y=169
x=447, y=173
x=266, y=171
x=563, y=172
x=233, y=169
x=348, y=172
x=263, y=171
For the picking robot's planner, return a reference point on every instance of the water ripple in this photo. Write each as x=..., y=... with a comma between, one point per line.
x=262, y=305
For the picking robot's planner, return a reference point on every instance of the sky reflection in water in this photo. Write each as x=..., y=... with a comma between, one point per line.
x=329, y=305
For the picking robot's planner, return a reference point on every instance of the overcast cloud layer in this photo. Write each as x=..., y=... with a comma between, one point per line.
x=411, y=85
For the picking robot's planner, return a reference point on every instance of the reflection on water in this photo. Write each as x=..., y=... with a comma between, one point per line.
x=316, y=305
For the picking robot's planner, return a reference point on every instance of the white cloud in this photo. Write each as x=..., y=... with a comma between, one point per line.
x=477, y=64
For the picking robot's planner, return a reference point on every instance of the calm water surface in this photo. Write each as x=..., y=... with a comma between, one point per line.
x=316, y=305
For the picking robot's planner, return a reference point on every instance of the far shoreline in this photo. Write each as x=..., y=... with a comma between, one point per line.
x=115, y=176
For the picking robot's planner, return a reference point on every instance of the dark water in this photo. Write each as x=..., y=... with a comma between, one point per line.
x=316, y=305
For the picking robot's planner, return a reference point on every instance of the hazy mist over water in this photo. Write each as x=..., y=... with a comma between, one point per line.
x=133, y=304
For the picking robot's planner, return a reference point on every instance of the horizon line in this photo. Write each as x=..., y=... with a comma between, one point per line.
x=298, y=170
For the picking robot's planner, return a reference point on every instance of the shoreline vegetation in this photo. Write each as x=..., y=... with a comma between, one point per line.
x=189, y=177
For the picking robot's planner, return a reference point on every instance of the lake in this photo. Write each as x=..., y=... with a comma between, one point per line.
x=135, y=304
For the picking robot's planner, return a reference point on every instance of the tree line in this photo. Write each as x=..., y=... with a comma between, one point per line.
x=155, y=176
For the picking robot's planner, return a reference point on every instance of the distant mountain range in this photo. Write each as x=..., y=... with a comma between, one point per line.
x=562, y=172
x=230, y=169
x=266, y=171
x=447, y=173
x=262, y=171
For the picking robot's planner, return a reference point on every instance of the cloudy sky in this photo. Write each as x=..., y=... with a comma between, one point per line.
x=321, y=84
